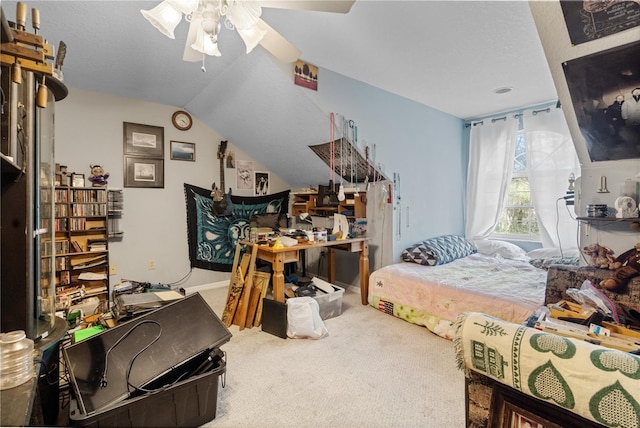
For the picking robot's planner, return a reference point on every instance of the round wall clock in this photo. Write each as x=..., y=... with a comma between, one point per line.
x=182, y=120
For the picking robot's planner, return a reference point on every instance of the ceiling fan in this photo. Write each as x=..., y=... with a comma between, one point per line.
x=207, y=16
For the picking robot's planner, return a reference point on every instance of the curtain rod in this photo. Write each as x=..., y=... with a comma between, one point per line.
x=545, y=107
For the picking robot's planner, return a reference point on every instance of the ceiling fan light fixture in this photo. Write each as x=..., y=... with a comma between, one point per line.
x=251, y=36
x=211, y=23
x=164, y=17
x=185, y=6
x=206, y=44
x=243, y=14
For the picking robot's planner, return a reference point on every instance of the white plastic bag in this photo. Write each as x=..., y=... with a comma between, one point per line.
x=303, y=319
x=588, y=295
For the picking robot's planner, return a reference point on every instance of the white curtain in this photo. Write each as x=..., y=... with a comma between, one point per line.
x=491, y=152
x=551, y=158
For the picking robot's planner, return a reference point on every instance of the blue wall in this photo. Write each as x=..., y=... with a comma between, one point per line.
x=428, y=148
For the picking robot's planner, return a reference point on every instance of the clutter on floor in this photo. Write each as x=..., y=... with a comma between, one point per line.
x=591, y=317
x=174, y=383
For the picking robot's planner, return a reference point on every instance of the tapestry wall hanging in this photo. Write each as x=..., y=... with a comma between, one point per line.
x=212, y=239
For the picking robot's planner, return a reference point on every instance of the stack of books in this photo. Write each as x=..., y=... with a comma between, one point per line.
x=97, y=244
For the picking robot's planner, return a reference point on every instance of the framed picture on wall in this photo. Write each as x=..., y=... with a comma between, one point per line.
x=143, y=172
x=183, y=151
x=143, y=140
x=244, y=175
x=261, y=183
x=605, y=93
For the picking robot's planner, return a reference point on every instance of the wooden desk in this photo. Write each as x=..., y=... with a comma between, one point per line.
x=279, y=256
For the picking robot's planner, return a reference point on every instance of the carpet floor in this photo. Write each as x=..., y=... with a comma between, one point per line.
x=372, y=370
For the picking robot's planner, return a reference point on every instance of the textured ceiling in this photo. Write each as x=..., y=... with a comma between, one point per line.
x=449, y=55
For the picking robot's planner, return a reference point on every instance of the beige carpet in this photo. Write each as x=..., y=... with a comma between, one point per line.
x=372, y=370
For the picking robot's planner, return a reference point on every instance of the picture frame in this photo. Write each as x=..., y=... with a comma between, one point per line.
x=513, y=409
x=143, y=140
x=143, y=172
x=77, y=180
x=595, y=82
x=244, y=175
x=182, y=151
x=262, y=183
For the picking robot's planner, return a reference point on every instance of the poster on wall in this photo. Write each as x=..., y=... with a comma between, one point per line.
x=262, y=183
x=305, y=75
x=244, y=174
x=593, y=19
x=605, y=93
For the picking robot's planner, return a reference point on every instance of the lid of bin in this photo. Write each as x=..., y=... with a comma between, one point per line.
x=174, y=334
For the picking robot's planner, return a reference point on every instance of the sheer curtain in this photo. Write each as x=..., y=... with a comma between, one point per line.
x=551, y=158
x=491, y=152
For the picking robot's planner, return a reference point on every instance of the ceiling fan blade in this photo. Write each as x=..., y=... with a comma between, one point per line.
x=191, y=54
x=277, y=45
x=335, y=6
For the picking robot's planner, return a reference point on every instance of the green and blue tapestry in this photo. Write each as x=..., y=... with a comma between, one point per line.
x=212, y=239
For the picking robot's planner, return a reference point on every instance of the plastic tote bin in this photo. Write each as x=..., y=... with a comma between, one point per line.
x=330, y=303
x=189, y=403
x=145, y=357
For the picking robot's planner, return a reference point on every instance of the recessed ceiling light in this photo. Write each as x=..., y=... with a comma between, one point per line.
x=503, y=90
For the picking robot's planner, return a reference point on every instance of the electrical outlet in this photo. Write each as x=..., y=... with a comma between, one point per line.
x=113, y=270
x=151, y=264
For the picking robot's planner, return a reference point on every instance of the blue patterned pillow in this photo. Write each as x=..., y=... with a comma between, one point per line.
x=439, y=250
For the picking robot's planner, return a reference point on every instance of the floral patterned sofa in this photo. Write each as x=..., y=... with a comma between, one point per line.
x=562, y=277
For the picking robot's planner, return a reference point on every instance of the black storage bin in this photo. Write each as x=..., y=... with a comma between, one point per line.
x=188, y=403
x=152, y=364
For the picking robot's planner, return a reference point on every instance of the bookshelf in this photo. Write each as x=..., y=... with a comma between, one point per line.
x=81, y=246
x=115, y=210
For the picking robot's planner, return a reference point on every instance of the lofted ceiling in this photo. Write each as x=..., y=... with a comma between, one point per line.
x=448, y=55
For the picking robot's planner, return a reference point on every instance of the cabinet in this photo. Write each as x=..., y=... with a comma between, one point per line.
x=81, y=245
x=115, y=198
x=352, y=206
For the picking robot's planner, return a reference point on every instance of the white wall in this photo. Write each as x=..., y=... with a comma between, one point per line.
x=425, y=146
x=89, y=130
x=558, y=49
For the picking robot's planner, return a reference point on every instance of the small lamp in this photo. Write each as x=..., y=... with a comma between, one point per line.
x=305, y=217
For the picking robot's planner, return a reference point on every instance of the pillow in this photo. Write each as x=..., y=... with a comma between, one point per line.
x=543, y=253
x=507, y=250
x=272, y=220
x=439, y=250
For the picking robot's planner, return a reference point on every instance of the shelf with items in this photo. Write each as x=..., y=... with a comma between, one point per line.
x=608, y=219
x=353, y=206
x=302, y=202
x=115, y=212
x=81, y=245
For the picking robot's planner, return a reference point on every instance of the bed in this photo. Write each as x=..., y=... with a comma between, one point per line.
x=442, y=277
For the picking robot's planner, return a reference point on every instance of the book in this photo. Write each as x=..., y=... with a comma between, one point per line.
x=76, y=246
x=90, y=262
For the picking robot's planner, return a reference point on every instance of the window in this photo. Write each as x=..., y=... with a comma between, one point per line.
x=518, y=218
